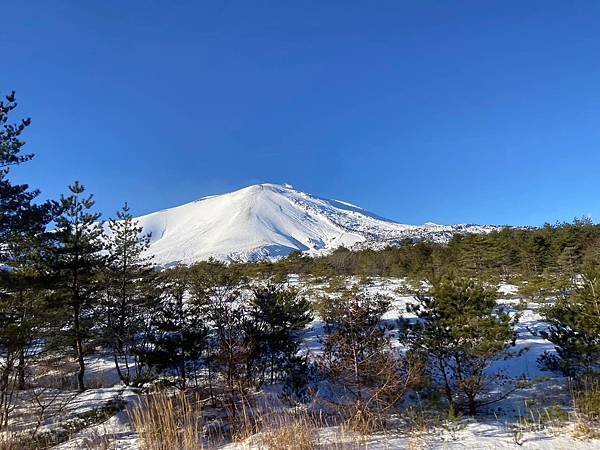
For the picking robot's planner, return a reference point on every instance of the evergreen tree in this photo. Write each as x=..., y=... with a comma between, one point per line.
x=277, y=316
x=22, y=226
x=20, y=219
x=77, y=264
x=459, y=333
x=128, y=295
x=16, y=210
x=575, y=328
x=23, y=323
x=25, y=289
x=553, y=252
x=179, y=332
x=217, y=290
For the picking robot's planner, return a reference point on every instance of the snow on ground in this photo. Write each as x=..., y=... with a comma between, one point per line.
x=493, y=429
x=472, y=435
x=115, y=433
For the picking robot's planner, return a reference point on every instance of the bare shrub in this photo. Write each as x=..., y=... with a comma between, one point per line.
x=372, y=377
x=47, y=404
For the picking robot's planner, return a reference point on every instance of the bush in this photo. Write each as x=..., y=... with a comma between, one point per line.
x=575, y=329
x=459, y=334
x=358, y=358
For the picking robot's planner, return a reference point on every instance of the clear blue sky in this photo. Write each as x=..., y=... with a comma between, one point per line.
x=445, y=111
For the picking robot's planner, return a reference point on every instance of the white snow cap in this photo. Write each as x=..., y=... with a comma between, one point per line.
x=269, y=221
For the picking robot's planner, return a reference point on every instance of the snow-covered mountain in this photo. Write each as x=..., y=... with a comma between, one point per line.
x=271, y=221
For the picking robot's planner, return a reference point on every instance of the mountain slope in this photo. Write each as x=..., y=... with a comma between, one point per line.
x=271, y=221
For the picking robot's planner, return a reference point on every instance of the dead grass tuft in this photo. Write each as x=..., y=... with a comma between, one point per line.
x=166, y=422
x=586, y=403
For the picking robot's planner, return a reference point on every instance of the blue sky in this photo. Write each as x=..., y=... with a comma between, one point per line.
x=480, y=112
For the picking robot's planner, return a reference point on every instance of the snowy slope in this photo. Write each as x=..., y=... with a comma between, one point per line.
x=270, y=221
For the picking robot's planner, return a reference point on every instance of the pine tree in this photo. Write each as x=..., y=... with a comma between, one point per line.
x=22, y=226
x=459, y=333
x=19, y=217
x=23, y=303
x=575, y=328
x=179, y=332
x=128, y=295
x=14, y=199
x=277, y=315
x=23, y=322
x=217, y=290
x=77, y=264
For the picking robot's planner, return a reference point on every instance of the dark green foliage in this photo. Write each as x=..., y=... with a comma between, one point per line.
x=178, y=335
x=15, y=200
x=10, y=135
x=277, y=316
x=17, y=212
x=21, y=221
x=339, y=314
x=21, y=324
x=460, y=332
x=129, y=292
x=22, y=225
x=230, y=343
x=76, y=290
x=510, y=254
x=76, y=266
x=575, y=328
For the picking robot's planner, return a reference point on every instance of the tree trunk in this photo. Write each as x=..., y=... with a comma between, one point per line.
x=21, y=370
x=472, y=406
x=123, y=378
x=79, y=350
x=447, y=388
x=183, y=372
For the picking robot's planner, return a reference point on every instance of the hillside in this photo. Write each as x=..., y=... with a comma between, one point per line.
x=271, y=221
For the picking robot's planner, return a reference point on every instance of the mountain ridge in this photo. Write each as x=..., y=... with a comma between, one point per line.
x=269, y=221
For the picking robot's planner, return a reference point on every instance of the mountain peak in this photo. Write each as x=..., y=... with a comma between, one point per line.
x=255, y=188
x=269, y=221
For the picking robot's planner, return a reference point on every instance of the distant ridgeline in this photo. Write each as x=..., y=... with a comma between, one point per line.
x=552, y=251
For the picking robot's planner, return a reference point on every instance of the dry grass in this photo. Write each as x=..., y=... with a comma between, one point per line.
x=534, y=418
x=287, y=431
x=10, y=441
x=299, y=429
x=419, y=426
x=166, y=422
x=364, y=421
x=586, y=403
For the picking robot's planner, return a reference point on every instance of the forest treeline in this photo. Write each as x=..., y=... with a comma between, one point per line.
x=552, y=251
x=74, y=287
